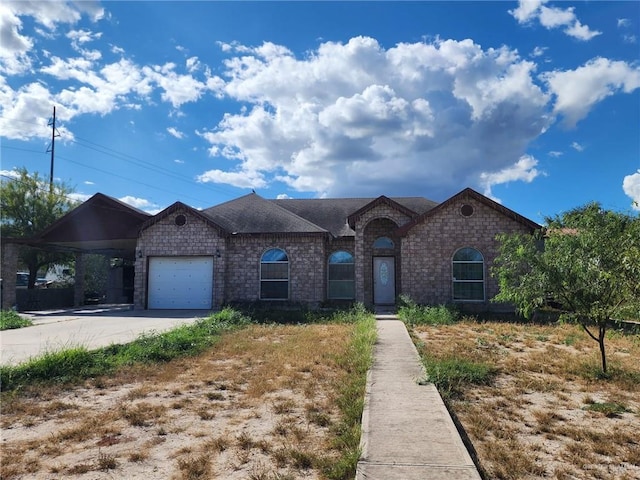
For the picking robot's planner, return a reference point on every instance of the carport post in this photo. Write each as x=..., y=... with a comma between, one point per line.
x=8, y=272
x=78, y=288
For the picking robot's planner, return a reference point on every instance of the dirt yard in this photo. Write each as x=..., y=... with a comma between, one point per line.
x=546, y=414
x=259, y=405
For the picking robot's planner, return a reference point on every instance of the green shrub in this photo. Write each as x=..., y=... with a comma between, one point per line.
x=10, y=319
x=413, y=314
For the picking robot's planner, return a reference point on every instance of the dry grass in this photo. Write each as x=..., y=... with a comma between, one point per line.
x=259, y=405
x=546, y=414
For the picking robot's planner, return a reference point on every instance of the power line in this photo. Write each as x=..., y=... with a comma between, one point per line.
x=108, y=151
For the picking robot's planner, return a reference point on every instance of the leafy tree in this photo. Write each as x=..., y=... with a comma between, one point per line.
x=28, y=206
x=588, y=266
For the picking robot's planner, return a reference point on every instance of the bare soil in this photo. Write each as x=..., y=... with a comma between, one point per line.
x=258, y=405
x=546, y=414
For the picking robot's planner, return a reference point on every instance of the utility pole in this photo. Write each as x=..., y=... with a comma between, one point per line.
x=52, y=147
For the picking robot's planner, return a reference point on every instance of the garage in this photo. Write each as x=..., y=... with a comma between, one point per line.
x=180, y=283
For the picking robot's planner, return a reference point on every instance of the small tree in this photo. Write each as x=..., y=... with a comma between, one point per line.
x=28, y=207
x=589, y=266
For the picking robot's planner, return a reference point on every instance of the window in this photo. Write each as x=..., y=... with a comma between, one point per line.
x=274, y=275
x=468, y=275
x=383, y=242
x=341, y=276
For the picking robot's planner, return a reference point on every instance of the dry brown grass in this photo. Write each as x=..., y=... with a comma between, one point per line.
x=535, y=419
x=258, y=405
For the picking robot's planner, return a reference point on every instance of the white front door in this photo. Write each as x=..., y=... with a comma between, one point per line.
x=384, y=281
x=180, y=282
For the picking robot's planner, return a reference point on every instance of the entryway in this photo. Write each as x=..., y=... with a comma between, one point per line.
x=384, y=280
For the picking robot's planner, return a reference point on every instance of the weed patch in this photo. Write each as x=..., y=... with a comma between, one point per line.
x=10, y=319
x=413, y=314
x=78, y=363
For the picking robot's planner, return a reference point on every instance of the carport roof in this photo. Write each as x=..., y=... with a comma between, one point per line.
x=101, y=224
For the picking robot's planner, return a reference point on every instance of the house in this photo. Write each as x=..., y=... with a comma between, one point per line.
x=323, y=251
x=309, y=252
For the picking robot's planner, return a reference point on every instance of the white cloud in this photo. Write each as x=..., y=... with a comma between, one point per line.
x=552, y=17
x=175, y=132
x=141, y=203
x=88, y=182
x=79, y=197
x=241, y=179
x=8, y=174
x=577, y=147
x=283, y=196
x=631, y=187
x=577, y=91
x=424, y=116
x=177, y=88
x=178, y=161
x=523, y=170
x=555, y=154
x=624, y=23
x=539, y=51
x=15, y=45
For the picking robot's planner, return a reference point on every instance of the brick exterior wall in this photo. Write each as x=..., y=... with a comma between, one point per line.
x=428, y=249
x=423, y=268
x=307, y=267
x=165, y=238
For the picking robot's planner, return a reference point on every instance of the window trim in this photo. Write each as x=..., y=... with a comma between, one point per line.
x=455, y=281
x=353, y=280
x=263, y=262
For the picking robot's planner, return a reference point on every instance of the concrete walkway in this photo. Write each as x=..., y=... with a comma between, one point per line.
x=407, y=432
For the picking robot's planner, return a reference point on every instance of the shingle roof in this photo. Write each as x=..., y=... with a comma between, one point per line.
x=254, y=214
x=332, y=213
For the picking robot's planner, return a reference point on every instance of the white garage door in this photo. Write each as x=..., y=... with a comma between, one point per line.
x=180, y=282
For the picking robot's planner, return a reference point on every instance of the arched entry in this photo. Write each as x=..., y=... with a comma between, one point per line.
x=381, y=268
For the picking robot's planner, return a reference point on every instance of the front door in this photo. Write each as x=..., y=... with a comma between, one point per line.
x=384, y=281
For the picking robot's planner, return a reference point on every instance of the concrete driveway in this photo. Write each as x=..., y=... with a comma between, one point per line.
x=90, y=327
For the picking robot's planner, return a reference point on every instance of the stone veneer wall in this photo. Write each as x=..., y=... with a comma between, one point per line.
x=165, y=238
x=428, y=249
x=363, y=252
x=307, y=266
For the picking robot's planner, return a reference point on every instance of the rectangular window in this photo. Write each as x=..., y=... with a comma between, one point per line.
x=341, y=275
x=274, y=275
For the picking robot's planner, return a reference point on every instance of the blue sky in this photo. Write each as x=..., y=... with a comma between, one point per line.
x=535, y=104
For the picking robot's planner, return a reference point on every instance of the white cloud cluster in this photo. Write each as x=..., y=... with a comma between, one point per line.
x=577, y=91
x=353, y=118
x=552, y=17
x=631, y=187
x=344, y=119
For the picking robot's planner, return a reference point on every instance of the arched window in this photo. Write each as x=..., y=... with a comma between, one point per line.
x=468, y=275
x=383, y=242
x=341, y=276
x=274, y=275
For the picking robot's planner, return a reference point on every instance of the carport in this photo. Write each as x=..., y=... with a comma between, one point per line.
x=101, y=225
